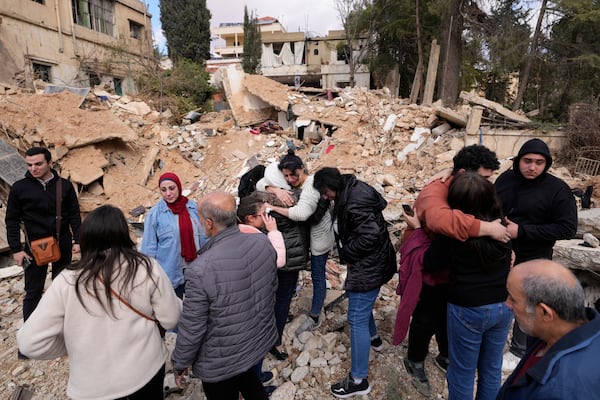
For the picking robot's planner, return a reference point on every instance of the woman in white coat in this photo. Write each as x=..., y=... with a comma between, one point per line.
x=102, y=313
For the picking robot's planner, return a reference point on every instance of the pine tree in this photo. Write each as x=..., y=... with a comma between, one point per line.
x=186, y=24
x=252, y=44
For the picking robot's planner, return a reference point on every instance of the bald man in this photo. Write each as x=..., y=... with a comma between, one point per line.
x=562, y=362
x=228, y=323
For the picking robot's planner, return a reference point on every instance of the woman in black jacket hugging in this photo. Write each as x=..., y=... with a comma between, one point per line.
x=364, y=245
x=478, y=318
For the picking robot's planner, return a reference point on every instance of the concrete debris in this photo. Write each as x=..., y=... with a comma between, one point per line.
x=116, y=154
x=590, y=240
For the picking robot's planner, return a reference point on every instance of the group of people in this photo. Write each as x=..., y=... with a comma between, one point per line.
x=478, y=254
x=222, y=274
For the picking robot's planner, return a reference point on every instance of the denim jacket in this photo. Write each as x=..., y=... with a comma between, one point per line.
x=161, y=238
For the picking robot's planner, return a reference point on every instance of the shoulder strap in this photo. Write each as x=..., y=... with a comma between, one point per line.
x=125, y=302
x=58, y=206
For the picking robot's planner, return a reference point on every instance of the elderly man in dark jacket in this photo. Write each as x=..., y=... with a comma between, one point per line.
x=540, y=209
x=364, y=245
x=227, y=324
x=562, y=361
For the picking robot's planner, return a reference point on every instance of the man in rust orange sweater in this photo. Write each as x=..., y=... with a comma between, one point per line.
x=436, y=216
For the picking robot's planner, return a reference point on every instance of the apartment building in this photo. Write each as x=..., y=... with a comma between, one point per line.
x=76, y=43
x=291, y=57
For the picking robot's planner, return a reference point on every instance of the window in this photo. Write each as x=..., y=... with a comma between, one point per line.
x=94, y=79
x=118, y=82
x=316, y=52
x=136, y=30
x=39, y=1
x=94, y=14
x=42, y=71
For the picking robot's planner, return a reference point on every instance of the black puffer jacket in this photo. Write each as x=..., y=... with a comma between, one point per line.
x=362, y=236
x=544, y=207
x=34, y=204
x=296, y=236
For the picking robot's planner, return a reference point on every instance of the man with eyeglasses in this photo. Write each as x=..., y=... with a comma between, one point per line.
x=540, y=209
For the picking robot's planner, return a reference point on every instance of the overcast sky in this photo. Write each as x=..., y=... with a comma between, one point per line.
x=315, y=16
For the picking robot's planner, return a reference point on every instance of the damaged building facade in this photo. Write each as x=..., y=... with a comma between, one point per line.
x=77, y=43
x=293, y=58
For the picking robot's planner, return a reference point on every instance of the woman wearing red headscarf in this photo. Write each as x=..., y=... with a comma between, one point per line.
x=172, y=231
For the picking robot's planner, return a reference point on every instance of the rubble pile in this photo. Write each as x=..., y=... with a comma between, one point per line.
x=115, y=148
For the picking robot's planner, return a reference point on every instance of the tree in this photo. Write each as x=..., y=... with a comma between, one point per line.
x=506, y=40
x=571, y=61
x=451, y=53
x=357, y=20
x=252, y=44
x=533, y=48
x=398, y=39
x=186, y=24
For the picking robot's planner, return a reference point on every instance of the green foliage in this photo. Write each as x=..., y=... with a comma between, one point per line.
x=569, y=72
x=397, y=37
x=252, y=44
x=186, y=24
x=183, y=88
x=506, y=41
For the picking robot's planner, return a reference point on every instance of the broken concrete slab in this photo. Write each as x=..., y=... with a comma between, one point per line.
x=573, y=255
x=498, y=108
x=451, y=116
x=148, y=163
x=589, y=221
x=247, y=109
x=134, y=107
x=84, y=165
x=55, y=120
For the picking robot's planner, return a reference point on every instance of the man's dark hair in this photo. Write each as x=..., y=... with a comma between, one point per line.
x=39, y=150
x=328, y=178
x=471, y=158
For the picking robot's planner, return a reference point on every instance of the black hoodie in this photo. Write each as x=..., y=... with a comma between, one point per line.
x=544, y=207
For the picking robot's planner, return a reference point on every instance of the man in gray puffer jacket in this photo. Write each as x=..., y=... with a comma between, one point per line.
x=227, y=324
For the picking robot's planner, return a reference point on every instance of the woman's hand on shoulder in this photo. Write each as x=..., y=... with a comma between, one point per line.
x=285, y=196
x=442, y=176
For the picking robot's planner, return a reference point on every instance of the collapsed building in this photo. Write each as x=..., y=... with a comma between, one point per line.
x=114, y=147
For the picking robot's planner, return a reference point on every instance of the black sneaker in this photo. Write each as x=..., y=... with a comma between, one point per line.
x=280, y=355
x=270, y=389
x=21, y=356
x=266, y=377
x=419, y=379
x=377, y=343
x=442, y=362
x=347, y=388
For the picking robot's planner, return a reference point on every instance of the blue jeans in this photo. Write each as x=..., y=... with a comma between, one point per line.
x=283, y=298
x=317, y=273
x=362, y=328
x=476, y=338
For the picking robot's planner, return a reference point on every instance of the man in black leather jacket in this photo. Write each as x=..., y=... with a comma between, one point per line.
x=32, y=202
x=364, y=246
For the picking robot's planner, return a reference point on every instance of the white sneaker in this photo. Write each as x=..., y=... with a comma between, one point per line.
x=509, y=362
